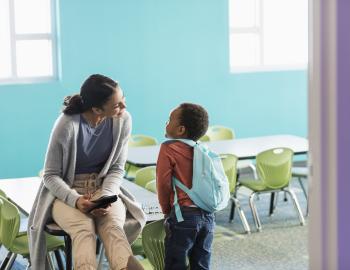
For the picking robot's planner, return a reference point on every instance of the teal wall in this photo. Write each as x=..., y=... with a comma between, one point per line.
x=162, y=53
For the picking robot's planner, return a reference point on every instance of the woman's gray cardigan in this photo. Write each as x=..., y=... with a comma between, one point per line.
x=59, y=176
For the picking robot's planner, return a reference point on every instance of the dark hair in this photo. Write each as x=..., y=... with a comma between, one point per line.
x=95, y=92
x=195, y=119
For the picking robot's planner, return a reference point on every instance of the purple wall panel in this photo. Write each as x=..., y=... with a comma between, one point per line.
x=343, y=137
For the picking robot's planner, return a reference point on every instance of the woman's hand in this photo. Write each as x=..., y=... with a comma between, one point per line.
x=84, y=204
x=100, y=212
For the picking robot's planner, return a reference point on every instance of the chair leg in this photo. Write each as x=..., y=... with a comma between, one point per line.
x=59, y=259
x=305, y=194
x=68, y=251
x=302, y=187
x=242, y=216
x=50, y=261
x=252, y=166
x=5, y=261
x=272, y=203
x=232, y=211
x=100, y=261
x=296, y=205
x=98, y=246
x=255, y=212
x=10, y=262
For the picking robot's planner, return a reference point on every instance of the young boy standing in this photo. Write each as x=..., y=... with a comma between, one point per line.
x=189, y=240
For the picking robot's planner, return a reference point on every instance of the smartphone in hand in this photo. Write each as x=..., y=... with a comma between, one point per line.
x=104, y=201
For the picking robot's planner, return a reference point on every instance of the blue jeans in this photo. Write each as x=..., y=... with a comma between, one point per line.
x=189, y=241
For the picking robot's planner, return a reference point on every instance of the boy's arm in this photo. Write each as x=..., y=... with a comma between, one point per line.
x=164, y=175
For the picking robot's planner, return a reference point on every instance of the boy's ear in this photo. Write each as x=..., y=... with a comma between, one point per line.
x=182, y=130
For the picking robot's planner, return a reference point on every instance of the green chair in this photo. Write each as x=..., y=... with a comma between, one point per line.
x=141, y=140
x=229, y=163
x=218, y=133
x=152, y=186
x=204, y=138
x=137, y=141
x=274, y=174
x=153, y=235
x=137, y=248
x=146, y=264
x=3, y=194
x=17, y=242
x=145, y=175
x=142, y=178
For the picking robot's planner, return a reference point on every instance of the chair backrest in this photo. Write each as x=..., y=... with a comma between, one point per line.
x=229, y=162
x=1, y=204
x=217, y=133
x=152, y=186
x=204, y=138
x=9, y=223
x=145, y=175
x=274, y=167
x=153, y=235
x=3, y=194
x=142, y=140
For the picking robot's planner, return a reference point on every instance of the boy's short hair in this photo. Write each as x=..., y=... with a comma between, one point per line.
x=195, y=119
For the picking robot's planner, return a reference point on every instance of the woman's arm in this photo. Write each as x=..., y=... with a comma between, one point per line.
x=61, y=135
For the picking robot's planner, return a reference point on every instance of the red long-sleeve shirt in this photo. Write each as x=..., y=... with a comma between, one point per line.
x=175, y=158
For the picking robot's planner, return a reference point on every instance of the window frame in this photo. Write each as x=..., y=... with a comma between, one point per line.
x=14, y=37
x=258, y=30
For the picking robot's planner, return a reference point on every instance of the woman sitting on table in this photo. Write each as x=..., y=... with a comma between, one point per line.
x=85, y=160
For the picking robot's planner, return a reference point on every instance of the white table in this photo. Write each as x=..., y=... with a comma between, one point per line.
x=22, y=192
x=246, y=148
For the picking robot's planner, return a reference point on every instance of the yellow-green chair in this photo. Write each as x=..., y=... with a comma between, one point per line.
x=218, y=133
x=3, y=194
x=17, y=242
x=153, y=235
x=145, y=175
x=274, y=174
x=146, y=264
x=229, y=163
x=204, y=138
x=142, y=177
x=137, y=141
x=141, y=140
x=137, y=248
x=152, y=186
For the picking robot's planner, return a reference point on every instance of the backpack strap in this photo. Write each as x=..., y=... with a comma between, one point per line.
x=176, y=182
x=178, y=213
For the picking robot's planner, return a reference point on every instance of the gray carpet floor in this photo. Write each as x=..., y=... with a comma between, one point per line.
x=282, y=244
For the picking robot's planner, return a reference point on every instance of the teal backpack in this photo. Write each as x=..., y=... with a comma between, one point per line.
x=210, y=188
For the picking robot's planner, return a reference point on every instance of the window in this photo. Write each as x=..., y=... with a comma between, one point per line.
x=268, y=34
x=27, y=40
